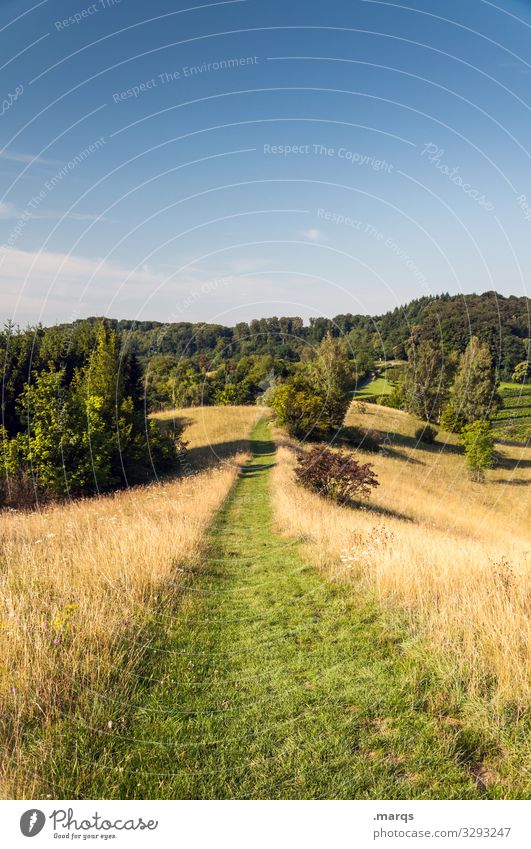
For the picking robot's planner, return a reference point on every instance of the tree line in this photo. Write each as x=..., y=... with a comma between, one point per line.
x=73, y=416
x=77, y=398
x=187, y=364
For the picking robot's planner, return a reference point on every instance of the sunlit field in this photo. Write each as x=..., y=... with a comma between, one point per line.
x=80, y=584
x=453, y=554
x=212, y=433
x=513, y=420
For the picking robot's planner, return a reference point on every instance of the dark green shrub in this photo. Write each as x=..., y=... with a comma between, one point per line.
x=393, y=400
x=451, y=420
x=522, y=372
x=312, y=403
x=426, y=434
x=368, y=439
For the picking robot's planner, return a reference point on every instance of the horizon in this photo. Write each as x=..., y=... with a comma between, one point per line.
x=305, y=321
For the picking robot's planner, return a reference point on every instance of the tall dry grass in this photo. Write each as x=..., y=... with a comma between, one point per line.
x=79, y=582
x=213, y=433
x=454, y=555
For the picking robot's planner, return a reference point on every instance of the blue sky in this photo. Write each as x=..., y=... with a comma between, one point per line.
x=218, y=162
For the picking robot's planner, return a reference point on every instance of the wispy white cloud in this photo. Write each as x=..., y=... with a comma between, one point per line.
x=26, y=158
x=52, y=215
x=516, y=66
x=48, y=286
x=7, y=210
x=10, y=211
x=313, y=235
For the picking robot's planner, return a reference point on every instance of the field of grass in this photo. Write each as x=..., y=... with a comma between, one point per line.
x=80, y=585
x=212, y=433
x=288, y=647
x=379, y=386
x=450, y=555
x=269, y=681
x=387, y=375
x=513, y=421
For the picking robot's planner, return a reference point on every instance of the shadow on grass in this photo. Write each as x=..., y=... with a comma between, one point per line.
x=206, y=456
x=253, y=471
x=367, y=507
x=437, y=447
x=260, y=448
x=511, y=463
x=387, y=451
x=514, y=482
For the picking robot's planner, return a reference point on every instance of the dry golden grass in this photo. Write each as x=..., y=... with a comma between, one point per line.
x=213, y=433
x=430, y=483
x=453, y=554
x=79, y=581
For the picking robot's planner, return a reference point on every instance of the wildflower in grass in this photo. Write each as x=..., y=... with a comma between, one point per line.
x=61, y=623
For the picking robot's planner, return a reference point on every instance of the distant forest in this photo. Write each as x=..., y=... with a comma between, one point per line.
x=185, y=364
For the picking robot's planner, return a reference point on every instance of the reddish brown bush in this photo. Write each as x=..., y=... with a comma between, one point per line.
x=335, y=474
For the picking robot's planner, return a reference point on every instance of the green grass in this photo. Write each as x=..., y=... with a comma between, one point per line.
x=383, y=384
x=513, y=420
x=379, y=386
x=267, y=681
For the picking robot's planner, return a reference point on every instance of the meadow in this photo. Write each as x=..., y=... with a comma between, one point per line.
x=451, y=556
x=513, y=420
x=81, y=583
x=228, y=634
x=387, y=376
x=211, y=433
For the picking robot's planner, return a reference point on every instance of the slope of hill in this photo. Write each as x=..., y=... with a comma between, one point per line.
x=175, y=641
x=450, y=555
x=513, y=420
x=84, y=583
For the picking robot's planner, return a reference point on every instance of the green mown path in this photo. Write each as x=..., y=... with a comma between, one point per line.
x=273, y=682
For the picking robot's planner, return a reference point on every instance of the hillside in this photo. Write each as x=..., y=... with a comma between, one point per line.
x=230, y=634
x=84, y=585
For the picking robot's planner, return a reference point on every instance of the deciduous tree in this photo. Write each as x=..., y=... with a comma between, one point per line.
x=474, y=395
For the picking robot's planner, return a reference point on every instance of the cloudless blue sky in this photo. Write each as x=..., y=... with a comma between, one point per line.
x=411, y=172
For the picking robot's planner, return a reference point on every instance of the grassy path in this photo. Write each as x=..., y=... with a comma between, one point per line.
x=272, y=683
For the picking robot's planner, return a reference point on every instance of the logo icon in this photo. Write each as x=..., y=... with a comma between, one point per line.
x=32, y=822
